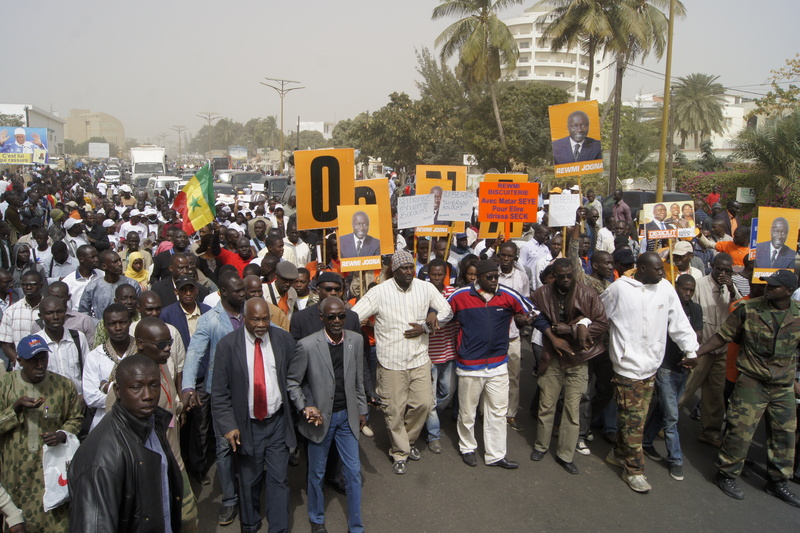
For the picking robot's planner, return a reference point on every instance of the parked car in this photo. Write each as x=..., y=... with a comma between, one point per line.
x=243, y=180
x=274, y=186
x=156, y=184
x=112, y=175
x=636, y=199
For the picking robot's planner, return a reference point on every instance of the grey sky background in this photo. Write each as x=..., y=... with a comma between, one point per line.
x=157, y=63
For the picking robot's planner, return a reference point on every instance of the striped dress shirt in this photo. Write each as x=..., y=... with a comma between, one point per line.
x=394, y=309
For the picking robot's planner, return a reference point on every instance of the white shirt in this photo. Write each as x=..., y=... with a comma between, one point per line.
x=298, y=254
x=64, y=359
x=56, y=271
x=139, y=228
x=77, y=284
x=274, y=400
x=605, y=241
x=97, y=368
x=531, y=252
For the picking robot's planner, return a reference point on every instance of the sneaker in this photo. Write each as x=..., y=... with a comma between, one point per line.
x=729, y=486
x=399, y=467
x=227, y=514
x=367, y=431
x=612, y=459
x=637, y=482
x=582, y=448
x=676, y=472
x=512, y=422
x=590, y=437
x=414, y=454
x=652, y=453
x=780, y=489
x=435, y=446
x=318, y=528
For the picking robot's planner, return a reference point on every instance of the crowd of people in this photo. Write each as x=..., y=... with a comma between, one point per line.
x=244, y=347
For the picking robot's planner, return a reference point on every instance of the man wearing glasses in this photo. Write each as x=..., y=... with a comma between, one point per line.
x=484, y=311
x=326, y=384
x=715, y=293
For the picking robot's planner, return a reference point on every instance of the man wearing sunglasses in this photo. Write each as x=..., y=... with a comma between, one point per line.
x=485, y=311
x=326, y=384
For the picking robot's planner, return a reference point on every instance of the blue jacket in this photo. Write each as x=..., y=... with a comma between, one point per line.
x=174, y=315
x=211, y=327
x=483, y=337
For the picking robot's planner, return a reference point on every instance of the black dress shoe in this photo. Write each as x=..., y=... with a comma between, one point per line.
x=469, y=459
x=505, y=463
x=729, y=486
x=569, y=467
x=318, y=528
x=227, y=514
x=537, y=455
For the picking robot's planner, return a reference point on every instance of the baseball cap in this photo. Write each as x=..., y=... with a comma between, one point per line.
x=555, y=190
x=782, y=278
x=183, y=281
x=136, y=213
x=30, y=346
x=682, y=248
x=107, y=223
x=623, y=256
x=126, y=188
x=72, y=222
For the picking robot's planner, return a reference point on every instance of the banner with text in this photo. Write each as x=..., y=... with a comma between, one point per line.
x=23, y=146
x=562, y=209
x=457, y=206
x=508, y=202
x=575, y=134
x=359, y=249
x=414, y=211
x=325, y=179
x=492, y=230
x=433, y=180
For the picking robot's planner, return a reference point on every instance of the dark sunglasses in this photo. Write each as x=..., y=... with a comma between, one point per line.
x=161, y=345
x=340, y=316
x=492, y=277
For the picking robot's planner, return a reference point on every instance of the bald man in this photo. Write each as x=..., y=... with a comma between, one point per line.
x=255, y=420
x=254, y=289
x=149, y=305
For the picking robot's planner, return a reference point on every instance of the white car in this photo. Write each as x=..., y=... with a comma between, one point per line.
x=112, y=176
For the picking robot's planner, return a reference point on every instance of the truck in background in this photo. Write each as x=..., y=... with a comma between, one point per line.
x=147, y=161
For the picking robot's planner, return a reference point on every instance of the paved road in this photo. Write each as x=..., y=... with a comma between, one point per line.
x=439, y=493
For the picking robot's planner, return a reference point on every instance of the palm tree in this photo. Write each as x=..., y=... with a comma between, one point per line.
x=483, y=41
x=697, y=107
x=585, y=23
x=775, y=148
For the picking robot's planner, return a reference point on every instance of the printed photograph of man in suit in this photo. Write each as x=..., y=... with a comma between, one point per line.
x=437, y=201
x=576, y=147
x=774, y=253
x=359, y=243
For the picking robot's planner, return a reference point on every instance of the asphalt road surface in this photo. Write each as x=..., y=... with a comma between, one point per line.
x=440, y=493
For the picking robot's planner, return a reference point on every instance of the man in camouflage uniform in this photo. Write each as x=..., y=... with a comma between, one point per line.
x=767, y=330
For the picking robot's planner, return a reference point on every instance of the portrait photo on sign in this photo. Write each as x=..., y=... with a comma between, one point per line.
x=776, y=240
x=676, y=217
x=575, y=136
x=359, y=237
x=448, y=178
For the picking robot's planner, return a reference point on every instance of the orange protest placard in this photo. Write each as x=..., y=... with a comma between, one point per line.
x=433, y=179
x=492, y=230
x=508, y=202
x=575, y=134
x=325, y=180
x=376, y=192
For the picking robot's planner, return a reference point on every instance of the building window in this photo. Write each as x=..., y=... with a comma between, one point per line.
x=559, y=74
x=522, y=73
x=524, y=44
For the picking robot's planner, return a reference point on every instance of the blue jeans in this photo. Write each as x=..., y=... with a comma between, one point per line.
x=347, y=445
x=443, y=377
x=669, y=386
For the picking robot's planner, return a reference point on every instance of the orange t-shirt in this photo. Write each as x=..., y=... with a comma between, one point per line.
x=738, y=253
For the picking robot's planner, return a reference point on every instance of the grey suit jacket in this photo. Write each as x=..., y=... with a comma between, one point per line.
x=229, y=389
x=311, y=382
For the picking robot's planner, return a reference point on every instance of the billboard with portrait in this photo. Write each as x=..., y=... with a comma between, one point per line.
x=23, y=146
x=359, y=237
x=668, y=220
x=575, y=134
x=776, y=240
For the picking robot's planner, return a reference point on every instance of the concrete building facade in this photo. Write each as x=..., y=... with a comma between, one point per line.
x=565, y=69
x=36, y=117
x=83, y=124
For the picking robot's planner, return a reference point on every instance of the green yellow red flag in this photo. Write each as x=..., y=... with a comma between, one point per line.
x=195, y=202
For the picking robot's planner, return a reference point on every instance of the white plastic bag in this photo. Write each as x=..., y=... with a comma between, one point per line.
x=55, y=461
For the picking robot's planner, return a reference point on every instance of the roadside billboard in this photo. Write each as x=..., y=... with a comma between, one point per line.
x=98, y=151
x=238, y=153
x=23, y=146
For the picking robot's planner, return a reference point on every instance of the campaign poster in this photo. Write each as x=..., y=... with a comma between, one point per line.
x=23, y=146
x=668, y=220
x=776, y=240
x=508, y=202
x=325, y=179
x=376, y=192
x=359, y=237
x=575, y=134
x=433, y=180
x=492, y=230
x=238, y=153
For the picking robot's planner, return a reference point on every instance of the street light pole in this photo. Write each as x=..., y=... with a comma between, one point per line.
x=209, y=117
x=179, y=130
x=282, y=90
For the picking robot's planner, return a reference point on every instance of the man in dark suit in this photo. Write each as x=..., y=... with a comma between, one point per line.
x=657, y=223
x=308, y=321
x=325, y=382
x=251, y=408
x=179, y=265
x=774, y=253
x=358, y=243
x=180, y=243
x=576, y=147
x=187, y=307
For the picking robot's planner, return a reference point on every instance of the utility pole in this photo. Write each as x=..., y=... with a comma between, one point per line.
x=209, y=117
x=282, y=91
x=665, y=130
x=163, y=138
x=179, y=130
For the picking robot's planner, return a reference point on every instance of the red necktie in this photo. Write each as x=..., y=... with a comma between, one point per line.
x=259, y=384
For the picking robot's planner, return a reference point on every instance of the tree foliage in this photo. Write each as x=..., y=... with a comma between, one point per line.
x=779, y=100
x=256, y=133
x=11, y=121
x=697, y=107
x=775, y=148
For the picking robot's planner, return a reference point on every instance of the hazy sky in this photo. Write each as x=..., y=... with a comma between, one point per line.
x=157, y=63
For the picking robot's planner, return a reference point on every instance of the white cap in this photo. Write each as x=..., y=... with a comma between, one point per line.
x=70, y=222
x=575, y=188
x=136, y=213
x=107, y=223
x=150, y=211
x=19, y=131
x=126, y=188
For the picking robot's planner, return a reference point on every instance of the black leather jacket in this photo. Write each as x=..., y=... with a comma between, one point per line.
x=114, y=479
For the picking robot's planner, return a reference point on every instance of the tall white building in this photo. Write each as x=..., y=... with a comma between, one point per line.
x=566, y=69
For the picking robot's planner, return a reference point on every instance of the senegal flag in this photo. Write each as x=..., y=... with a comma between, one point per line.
x=195, y=202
